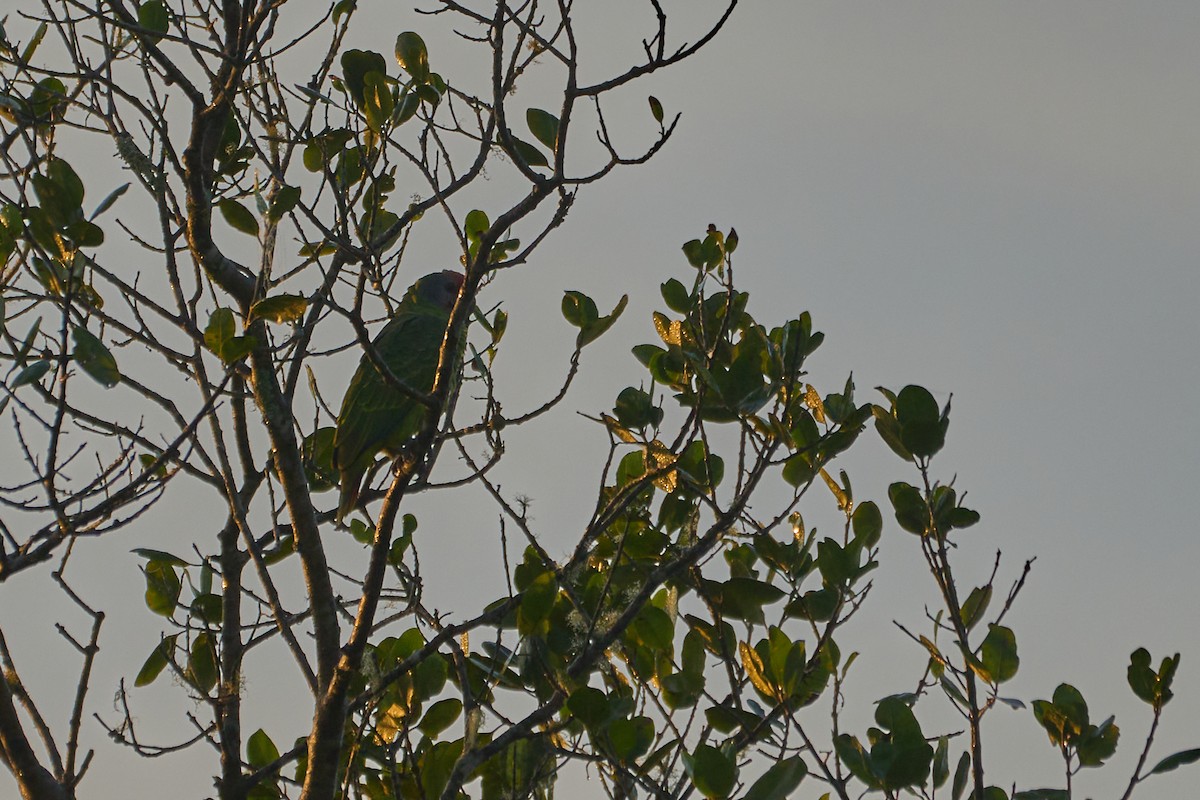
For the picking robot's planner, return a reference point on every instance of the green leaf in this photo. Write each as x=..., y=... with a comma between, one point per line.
x=356, y=65
x=1176, y=760
x=406, y=108
x=440, y=716
x=84, y=233
x=725, y=719
x=28, y=341
x=208, y=608
x=237, y=349
x=220, y=330
x=961, y=775
x=713, y=773
x=656, y=110
x=159, y=555
x=1150, y=686
x=220, y=339
x=378, y=103
x=1065, y=718
x=429, y=677
x=653, y=628
x=677, y=297
x=1141, y=677
x=544, y=127
x=343, y=7
x=744, y=598
x=703, y=468
x=868, y=523
x=412, y=56
x=94, y=358
x=202, y=664
x=999, y=654
x=523, y=769
x=31, y=374
x=681, y=689
x=476, y=225
x=524, y=151
x=912, y=512
x=34, y=41
x=889, y=430
x=436, y=764
x=922, y=428
x=260, y=750
x=597, y=328
x=238, y=216
x=162, y=588
x=836, y=564
x=285, y=200
x=635, y=409
x=280, y=308
x=589, y=705
x=800, y=469
x=427, y=92
x=49, y=99
x=778, y=782
x=536, y=601
x=107, y=203
x=705, y=254
x=1098, y=743
x=152, y=15
x=151, y=461
x=67, y=183
x=156, y=662
x=756, y=671
x=976, y=604
x=817, y=605
x=916, y=404
x=904, y=758
x=631, y=738
x=941, y=761
x=579, y=309
x=1069, y=699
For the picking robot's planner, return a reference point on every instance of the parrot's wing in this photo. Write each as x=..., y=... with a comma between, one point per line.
x=375, y=415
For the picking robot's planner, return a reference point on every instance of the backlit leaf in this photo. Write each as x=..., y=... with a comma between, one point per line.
x=412, y=56
x=656, y=109
x=712, y=772
x=31, y=374
x=155, y=663
x=94, y=358
x=778, y=782
x=260, y=750
x=152, y=15
x=544, y=127
x=280, y=308
x=162, y=588
x=239, y=217
x=1176, y=760
x=527, y=153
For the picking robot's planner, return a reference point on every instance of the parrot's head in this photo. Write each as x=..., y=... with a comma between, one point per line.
x=437, y=289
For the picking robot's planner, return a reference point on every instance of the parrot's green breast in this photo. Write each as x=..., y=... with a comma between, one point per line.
x=377, y=416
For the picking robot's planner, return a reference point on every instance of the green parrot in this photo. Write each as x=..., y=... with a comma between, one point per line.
x=377, y=416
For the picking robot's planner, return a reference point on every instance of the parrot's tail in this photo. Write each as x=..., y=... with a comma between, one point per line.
x=348, y=498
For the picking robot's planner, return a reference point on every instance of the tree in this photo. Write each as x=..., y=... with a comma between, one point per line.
x=679, y=647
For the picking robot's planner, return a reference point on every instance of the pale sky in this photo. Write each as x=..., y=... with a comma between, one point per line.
x=999, y=201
